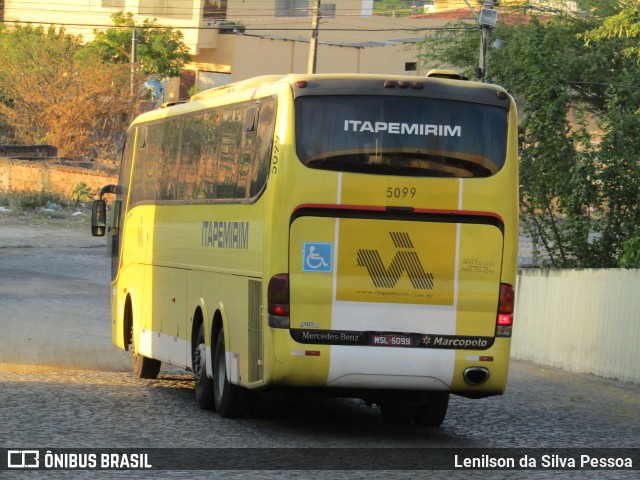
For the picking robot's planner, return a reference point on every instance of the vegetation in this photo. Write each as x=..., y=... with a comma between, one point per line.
x=397, y=8
x=48, y=95
x=56, y=90
x=21, y=202
x=160, y=50
x=575, y=76
x=631, y=253
x=82, y=193
x=625, y=24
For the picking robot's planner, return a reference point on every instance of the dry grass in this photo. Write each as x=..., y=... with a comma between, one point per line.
x=23, y=208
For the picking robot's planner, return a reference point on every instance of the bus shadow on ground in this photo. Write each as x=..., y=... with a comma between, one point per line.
x=329, y=418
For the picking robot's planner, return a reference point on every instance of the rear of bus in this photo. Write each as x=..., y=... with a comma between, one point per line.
x=397, y=198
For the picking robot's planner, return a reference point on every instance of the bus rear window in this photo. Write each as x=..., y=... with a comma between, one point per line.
x=400, y=135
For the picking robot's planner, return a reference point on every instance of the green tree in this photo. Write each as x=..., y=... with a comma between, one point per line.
x=50, y=94
x=624, y=25
x=621, y=30
x=396, y=8
x=579, y=158
x=161, y=51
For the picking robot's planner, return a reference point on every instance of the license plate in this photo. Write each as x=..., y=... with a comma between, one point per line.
x=391, y=340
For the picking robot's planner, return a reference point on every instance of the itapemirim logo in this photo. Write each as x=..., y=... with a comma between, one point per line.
x=405, y=260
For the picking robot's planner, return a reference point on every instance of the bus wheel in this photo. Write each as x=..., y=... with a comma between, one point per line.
x=230, y=400
x=203, y=384
x=144, y=367
x=397, y=413
x=432, y=413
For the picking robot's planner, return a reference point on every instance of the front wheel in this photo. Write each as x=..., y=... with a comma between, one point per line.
x=230, y=400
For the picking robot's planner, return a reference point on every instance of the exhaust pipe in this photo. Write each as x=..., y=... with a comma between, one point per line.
x=475, y=376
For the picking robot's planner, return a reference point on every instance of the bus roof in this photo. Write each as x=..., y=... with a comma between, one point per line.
x=356, y=83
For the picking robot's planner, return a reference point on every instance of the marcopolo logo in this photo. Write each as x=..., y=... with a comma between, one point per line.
x=405, y=260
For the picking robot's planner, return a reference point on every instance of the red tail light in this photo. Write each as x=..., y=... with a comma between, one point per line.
x=506, y=301
x=507, y=298
x=278, y=301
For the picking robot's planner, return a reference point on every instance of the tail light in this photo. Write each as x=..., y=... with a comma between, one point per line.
x=504, y=320
x=278, y=301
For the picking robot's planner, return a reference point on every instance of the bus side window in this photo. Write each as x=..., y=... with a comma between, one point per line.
x=247, y=157
x=263, y=145
x=209, y=150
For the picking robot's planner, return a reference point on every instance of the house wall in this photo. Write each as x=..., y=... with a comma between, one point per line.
x=82, y=17
x=244, y=56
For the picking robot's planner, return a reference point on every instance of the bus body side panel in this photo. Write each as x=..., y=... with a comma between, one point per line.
x=178, y=258
x=205, y=256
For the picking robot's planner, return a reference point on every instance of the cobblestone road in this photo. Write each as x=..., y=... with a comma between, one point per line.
x=62, y=385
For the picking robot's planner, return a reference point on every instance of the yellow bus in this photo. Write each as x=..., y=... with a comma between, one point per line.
x=354, y=235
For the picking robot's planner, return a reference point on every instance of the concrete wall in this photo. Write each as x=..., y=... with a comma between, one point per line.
x=584, y=320
x=45, y=175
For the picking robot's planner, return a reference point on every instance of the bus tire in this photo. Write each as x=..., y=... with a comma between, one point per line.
x=432, y=412
x=203, y=384
x=230, y=400
x=144, y=367
x=397, y=412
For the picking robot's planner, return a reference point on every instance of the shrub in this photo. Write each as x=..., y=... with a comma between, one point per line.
x=82, y=193
x=19, y=202
x=630, y=257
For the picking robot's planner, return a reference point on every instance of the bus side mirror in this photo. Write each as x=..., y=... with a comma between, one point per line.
x=99, y=218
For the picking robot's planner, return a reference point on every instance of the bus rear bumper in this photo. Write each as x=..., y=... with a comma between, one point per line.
x=390, y=368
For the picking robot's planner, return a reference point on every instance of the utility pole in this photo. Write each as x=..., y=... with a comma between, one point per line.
x=488, y=18
x=134, y=56
x=485, y=35
x=313, y=42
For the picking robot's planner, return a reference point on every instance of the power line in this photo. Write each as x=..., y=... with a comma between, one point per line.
x=168, y=13
x=181, y=10
x=217, y=27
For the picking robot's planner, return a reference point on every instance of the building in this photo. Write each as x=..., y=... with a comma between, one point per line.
x=231, y=40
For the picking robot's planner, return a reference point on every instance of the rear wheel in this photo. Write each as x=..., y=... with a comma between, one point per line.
x=397, y=412
x=230, y=400
x=432, y=413
x=203, y=384
x=144, y=367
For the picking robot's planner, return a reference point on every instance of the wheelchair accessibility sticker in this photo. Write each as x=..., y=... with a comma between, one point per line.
x=316, y=257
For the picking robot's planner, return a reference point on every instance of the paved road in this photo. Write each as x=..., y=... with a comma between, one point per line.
x=62, y=385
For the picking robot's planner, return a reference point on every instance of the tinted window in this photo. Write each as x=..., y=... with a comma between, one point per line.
x=219, y=154
x=401, y=135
